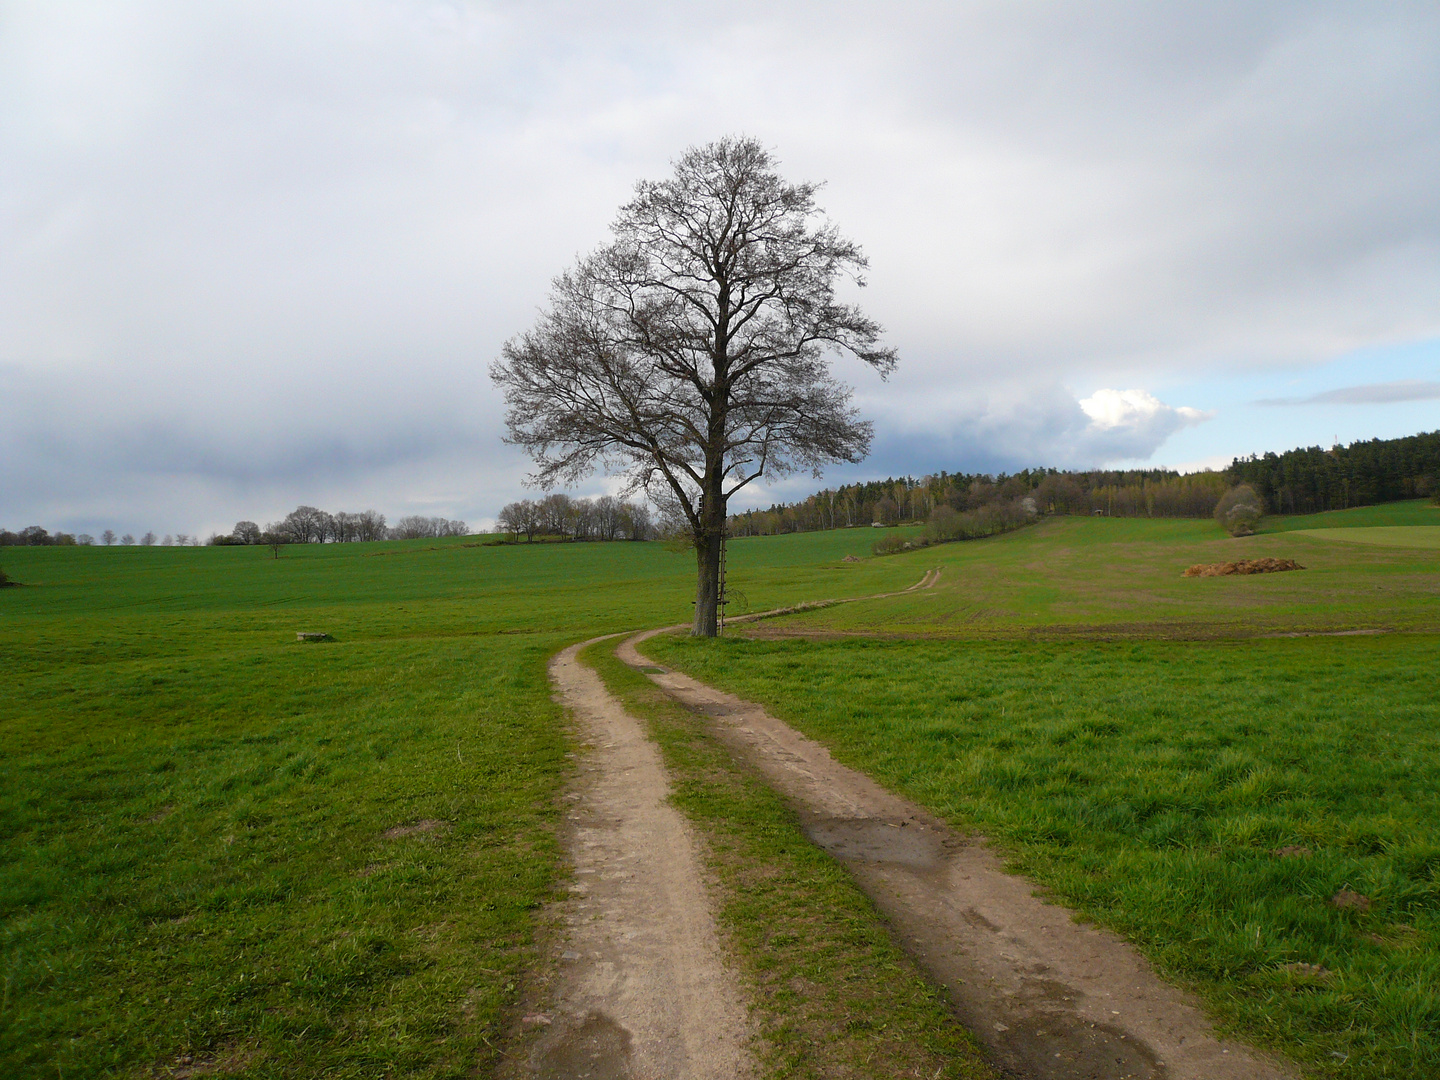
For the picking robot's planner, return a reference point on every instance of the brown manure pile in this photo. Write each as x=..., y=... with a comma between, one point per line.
x=1244, y=566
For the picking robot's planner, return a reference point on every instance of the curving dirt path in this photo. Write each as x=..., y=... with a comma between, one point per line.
x=1051, y=999
x=641, y=991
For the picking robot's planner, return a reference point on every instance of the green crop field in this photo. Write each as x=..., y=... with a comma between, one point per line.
x=223, y=849
x=1069, y=576
x=1130, y=740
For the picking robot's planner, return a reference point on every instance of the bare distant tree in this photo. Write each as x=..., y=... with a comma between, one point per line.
x=128, y=539
x=84, y=539
x=148, y=540
x=307, y=525
x=521, y=517
x=511, y=519
x=181, y=540
x=689, y=354
x=370, y=525
x=635, y=521
x=246, y=532
x=107, y=537
x=607, y=517
x=276, y=535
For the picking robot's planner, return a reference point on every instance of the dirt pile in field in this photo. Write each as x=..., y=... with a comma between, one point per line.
x=1244, y=566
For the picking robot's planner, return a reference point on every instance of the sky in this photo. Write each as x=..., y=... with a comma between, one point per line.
x=262, y=254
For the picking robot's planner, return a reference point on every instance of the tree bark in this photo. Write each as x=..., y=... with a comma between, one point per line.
x=707, y=586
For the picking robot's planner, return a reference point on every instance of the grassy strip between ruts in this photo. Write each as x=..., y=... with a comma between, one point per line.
x=1259, y=817
x=833, y=994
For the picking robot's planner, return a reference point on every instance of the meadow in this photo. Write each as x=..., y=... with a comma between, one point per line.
x=1121, y=577
x=1260, y=814
x=224, y=850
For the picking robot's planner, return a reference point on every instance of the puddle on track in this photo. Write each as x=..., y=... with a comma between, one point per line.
x=1032, y=1031
x=596, y=1049
x=872, y=840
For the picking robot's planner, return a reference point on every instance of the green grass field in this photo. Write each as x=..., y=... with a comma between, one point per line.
x=1148, y=773
x=223, y=850
x=195, y=870
x=1069, y=576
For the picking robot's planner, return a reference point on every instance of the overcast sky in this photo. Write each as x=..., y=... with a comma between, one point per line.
x=259, y=254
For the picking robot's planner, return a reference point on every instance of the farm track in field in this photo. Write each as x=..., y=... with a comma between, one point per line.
x=642, y=989
x=1049, y=998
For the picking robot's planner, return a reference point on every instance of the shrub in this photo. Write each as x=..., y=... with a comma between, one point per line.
x=1239, y=509
x=894, y=543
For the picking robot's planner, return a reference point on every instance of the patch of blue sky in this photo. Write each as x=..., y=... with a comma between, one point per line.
x=1342, y=400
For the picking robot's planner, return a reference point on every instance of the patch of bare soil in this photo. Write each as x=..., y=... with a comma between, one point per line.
x=1048, y=997
x=1266, y=565
x=641, y=990
x=424, y=825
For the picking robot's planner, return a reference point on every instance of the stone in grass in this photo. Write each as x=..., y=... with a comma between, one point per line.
x=312, y=635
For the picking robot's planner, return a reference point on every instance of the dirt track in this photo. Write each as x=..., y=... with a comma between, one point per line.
x=1050, y=999
x=641, y=991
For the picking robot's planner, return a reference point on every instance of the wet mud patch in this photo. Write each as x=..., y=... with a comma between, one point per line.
x=597, y=1048
x=874, y=840
x=1065, y=1047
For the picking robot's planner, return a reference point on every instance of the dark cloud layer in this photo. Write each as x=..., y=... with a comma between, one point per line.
x=260, y=254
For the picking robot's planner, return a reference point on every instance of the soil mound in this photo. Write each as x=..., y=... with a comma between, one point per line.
x=1244, y=566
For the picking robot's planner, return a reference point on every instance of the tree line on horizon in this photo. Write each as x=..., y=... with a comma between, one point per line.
x=311, y=525
x=303, y=525
x=1300, y=481
x=559, y=515
x=1310, y=480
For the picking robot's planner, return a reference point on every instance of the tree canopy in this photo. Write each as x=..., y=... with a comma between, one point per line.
x=691, y=353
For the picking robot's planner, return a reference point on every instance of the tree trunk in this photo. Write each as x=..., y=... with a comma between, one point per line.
x=707, y=585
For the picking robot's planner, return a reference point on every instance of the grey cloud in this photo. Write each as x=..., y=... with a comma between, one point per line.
x=269, y=248
x=1367, y=394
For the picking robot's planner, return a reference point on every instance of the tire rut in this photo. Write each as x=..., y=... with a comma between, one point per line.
x=1050, y=999
x=641, y=991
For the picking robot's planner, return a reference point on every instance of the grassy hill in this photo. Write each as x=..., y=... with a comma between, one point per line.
x=1200, y=764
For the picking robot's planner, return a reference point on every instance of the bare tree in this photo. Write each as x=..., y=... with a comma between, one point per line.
x=148, y=539
x=689, y=354
x=107, y=537
x=246, y=532
x=307, y=525
x=607, y=517
x=128, y=539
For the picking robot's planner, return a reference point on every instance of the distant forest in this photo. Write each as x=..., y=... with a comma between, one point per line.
x=1300, y=481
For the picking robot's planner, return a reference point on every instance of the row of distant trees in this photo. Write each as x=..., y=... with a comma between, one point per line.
x=1300, y=481
x=1128, y=493
x=303, y=525
x=558, y=515
x=35, y=536
x=311, y=525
